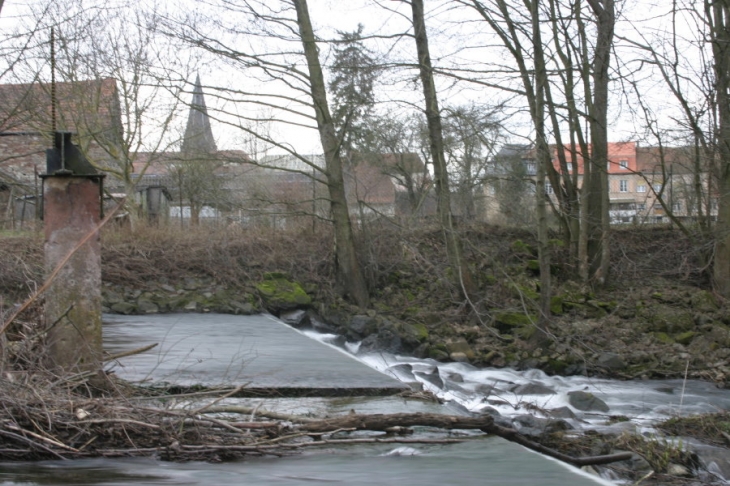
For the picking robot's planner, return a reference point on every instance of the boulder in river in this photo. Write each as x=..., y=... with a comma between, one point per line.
x=587, y=402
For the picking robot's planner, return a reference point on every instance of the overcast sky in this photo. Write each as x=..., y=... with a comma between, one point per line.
x=458, y=39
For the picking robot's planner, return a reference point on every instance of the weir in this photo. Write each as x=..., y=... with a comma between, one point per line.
x=260, y=352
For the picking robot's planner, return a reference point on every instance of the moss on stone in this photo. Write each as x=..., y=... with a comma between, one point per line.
x=556, y=305
x=663, y=337
x=522, y=291
x=281, y=294
x=685, y=337
x=421, y=331
x=521, y=248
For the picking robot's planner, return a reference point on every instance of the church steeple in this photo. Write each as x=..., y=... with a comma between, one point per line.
x=198, y=134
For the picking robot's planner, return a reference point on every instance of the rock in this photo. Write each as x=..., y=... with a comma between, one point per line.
x=192, y=284
x=404, y=372
x=147, y=307
x=385, y=341
x=578, y=368
x=685, y=338
x=611, y=361
x=110, y=297
x=361, y=326
x=339, y=341
x=562, y=413
x=437, y=353
x=124, y=308
x=241, y=307
x=715, y=459
x=704, y=301
x=280, y=294
x=431, y=377
x=535, y=426
x=507, y=322
x=459, y=357
x=637, y=464
x=298, y=318
x=678, y=470
x=587, y=402
x=532, y=389
x=191, y=306
x=664, y=318
x=322, y=327
x=455, y=377
x=460, y=346
x=168, y=288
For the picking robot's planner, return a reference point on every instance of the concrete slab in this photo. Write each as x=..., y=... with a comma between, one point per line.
x=271, y=358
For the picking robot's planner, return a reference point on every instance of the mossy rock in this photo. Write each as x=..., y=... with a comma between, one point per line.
x=281, y=294
x=509, y=321
x=556, y=305
x=523, y=249
x=419, y=330
x=555, y=366
x=523, y=291
x=460, y=346
x=663, y=337
x=704, y=301
x=664, y=318
x=685, y=338
x=437, y=353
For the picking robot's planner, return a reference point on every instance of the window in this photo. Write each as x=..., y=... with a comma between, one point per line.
x=623, y=185
x=624, y=164
x=641, y=207
x=641, y=188
x=608, y=166
x=548, y=188
x=570, y=166
x=531, y=168
x=677, y=206
x=657, y=187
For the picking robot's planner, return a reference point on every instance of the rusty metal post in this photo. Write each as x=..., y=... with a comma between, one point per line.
x=71, y=211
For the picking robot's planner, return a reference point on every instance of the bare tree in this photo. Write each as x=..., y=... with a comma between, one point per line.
x=278, y=46
x=454, y=247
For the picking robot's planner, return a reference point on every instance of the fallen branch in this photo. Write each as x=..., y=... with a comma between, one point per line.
x=484, y=423
x=112, y=357
x=382, y=422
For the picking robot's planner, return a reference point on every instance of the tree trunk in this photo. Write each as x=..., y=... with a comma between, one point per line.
x=598, y=201
x=349, y=275
x=718, y=17
x=544, y=162
x=441, y=176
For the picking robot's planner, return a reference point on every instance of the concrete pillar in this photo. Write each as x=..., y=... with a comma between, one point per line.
x=71, y=210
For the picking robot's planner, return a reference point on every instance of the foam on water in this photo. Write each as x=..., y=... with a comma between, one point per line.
x=505, y=390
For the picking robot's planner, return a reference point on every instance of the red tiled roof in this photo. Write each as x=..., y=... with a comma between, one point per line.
x=82, y=107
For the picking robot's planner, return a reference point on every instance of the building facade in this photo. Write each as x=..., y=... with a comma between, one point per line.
x=645, y=184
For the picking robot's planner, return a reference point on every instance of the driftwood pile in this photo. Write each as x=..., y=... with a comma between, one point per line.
x=96, y=416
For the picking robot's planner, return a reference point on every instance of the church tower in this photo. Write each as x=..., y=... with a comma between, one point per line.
x=198, y=137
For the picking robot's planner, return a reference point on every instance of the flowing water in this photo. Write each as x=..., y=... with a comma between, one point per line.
x=262, y=351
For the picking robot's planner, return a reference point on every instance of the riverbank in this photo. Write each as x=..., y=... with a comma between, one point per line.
x=656, y=319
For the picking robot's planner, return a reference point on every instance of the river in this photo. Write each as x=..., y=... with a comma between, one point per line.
x=263, y=351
